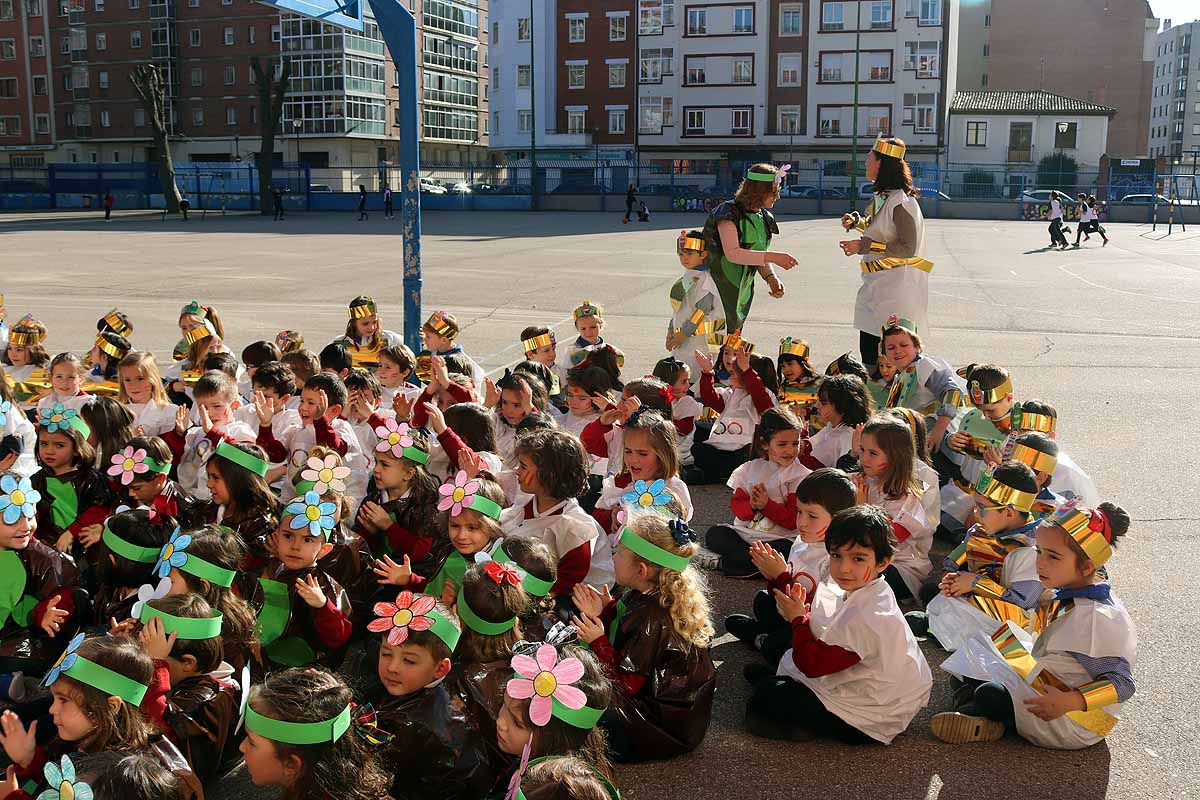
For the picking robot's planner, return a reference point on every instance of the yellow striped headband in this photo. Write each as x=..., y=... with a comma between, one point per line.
x=199, y=333
x=587, y=309
x=33, y=333
x=793, y=347
x=1089, y=529
x=1029, y=421
x=116, y=324
x=440, y=325
x=889, y=148
x=538, y=341
x=1036, y=460
x=980, y=396
x=1004, y=495
x=364, y=307
x=108, y=347
x=734, y=341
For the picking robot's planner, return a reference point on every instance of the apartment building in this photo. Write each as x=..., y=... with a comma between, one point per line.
x=26, y=92
x=1175, y=98
x=452, y=35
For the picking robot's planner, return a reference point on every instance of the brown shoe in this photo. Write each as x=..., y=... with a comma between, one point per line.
x=956, y=728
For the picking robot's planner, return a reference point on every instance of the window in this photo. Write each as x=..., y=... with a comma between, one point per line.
x=524, y=121
x=523, y=25
x=230, y=75
x=616, y=120
x=197, y=116
x=695, y=122
x=650, y=17
x=655, y=63
x=833, y=16
x=1065, y=135
x=655, y=113
x=931, y=14
x=576, y=30
x=616, y=29
x=697, y=22
x=920, y=111
x=8, y=49
x=139, y=118
x=99, y=5
x=575, y=75
x=983, y=80
x=791, y=65
x=276, y=34
x=194, y=37
x=495, y=79
x=495, y=33
x=64, y=45
x=197, y=76
x=576, y=121
x=101, y=41
x=228, y=36
x=836, y=67
x=881, y=14
x=910, y=7
x=135, y=39
x=743, y=69
x=743, y=20
x=37, y=46
x=1196, y=130
x=987, y=20
x=105, y=119
x=877, y=121
x=33, y=8
x=10, y=126
x=829, y=121
x=616, y=75
x=41, y=123
x=791, y=19
x=695, y=72
x=134, y=5
x=102, y=79
x=230, y=116
x=876, y=66
x=976, y=134
x=251, y=34
x=987, y=50
x=524, y=72
x=923, y=57
x=789, y=119
x=41, y=85
x=8, y=87
x=741, y=122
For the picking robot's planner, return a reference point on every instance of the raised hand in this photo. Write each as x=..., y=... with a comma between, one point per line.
x=20, y=743
x=792, y=603
x=390, y=572
x=310, y=591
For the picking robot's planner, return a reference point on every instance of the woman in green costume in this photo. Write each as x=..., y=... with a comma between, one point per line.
x=739, y=232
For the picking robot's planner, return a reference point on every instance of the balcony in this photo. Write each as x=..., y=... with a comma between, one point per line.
x=81, y=93
x=79, y=56
x=1020, y=155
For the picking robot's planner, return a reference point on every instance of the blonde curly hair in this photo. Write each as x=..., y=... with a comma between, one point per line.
x=683, y=594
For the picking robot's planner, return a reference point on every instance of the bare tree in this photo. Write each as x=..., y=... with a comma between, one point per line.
x=152, y=92
x=270, y=110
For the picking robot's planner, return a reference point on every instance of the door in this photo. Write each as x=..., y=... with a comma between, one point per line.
x=1020, y=141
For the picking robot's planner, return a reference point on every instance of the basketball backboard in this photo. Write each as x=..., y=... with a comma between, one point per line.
x=344, y=13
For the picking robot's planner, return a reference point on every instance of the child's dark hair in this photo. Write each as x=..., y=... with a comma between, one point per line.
x=565, y=778
x=111, y=362
x=560, y=461
x=792, y=358
x=667, y=370
x=1039, y=441
x=401, y=356
x=491, y=602
x=85, y=453
x=606, y=359
x=156, y=448
x=258, y=353
x=111, y=424
x=139, y=776
x=652, y=393
x=848, y=395
x=335, y=357
x=473, y=424
x=457, y=364
x=208, y=652
x=988, y=376
x=1039, y=407
x=773, y=421
x=765, y=368
x=136, y=528
x=535, y=421
x=215, y=382
x=533, y=556
x=512, y=382
x=303, y=364
x=895, y=439
x=345, y=768
x=829, y=488
x=277, y=376
x=429, y=641
x=248, y=491
x=848, y=364
x=916, y=423
x=223, y=548
x=122, y=727
x=360, y=379
x=220, y=360
x=865, y=526
x=331, y=385
x=537, y=370
x=38, y=356
x=558, y=738
x=592, y=380
x=1016, y=475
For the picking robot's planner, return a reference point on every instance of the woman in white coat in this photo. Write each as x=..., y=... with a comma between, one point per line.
x=895, y=272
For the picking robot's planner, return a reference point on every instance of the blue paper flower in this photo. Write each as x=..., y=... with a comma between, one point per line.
x=172, y=554
x=310, y=512
x=56, y=418
x=5, y=407
x=17, y=498
x=648, y=496
x=63, y=786
x=65, y=661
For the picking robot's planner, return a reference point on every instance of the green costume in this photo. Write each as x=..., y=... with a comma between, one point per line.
x=735, y=282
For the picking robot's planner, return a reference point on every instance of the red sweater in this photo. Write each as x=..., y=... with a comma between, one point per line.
x=750, y=379
x=816, y=658
x=782, y=514
x=322, y=429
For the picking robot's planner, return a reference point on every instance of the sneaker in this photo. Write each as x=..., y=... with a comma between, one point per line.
x=1105, y=243
x=755, y=671
x=706, y=560
x=744, y=627
x=918, y=623
x=955, y=728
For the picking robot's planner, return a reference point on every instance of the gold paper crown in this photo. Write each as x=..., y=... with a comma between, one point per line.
x=587, y=309
x=438, y=323
x=979, y=396
x=692, y=243
x=1079, y=525
x=108, y=347
x=1036, y=460
x=889, y=149
x=33, y=334
x=538, y=341
x=1004, y=495
x=793, y=347
x=1022, y=420
x=116, y=324
x=734, y=341
x=897, y=322
x=365, y=307
x=198, y=334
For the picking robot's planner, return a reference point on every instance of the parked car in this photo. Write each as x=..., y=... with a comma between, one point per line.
x=579, y=188
x=429, y=187
x=462, y=187
x=320, y=188
x=1043, y=196
x=1145, y=199
x=796, y=190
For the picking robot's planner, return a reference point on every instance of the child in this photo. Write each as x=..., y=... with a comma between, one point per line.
x=126, y=559
x=520, y=395
x=589, y=323
x=278, y=386
x=565, y=777
x=44, y=605
x=603, y=438
x=695, y=301
x=854, y=673
x=685, y=409
x=1040, y=453
x=254, y=355
x=1069, y=480
x=992, y=575
x=923, y=383
x=141, y=469
x=395, y=370
x=303, y=364
x=365, y=335
x=889, y=480
x=191, y=317
x=764, y=496
x=25, y=359
x=438, y=335
x=657, y=642
x=649, y=473
x=643, y=211
x=931, y=499
x=108, y=352
x=541, y=347
x=181, y=375
x=66, y=382
x=240, y=498
x=848, y=364
x=289, y=341
x=819, y=497
x=75, y=497
x=111, y=424
x=751, y=392
x=305, y=615
x=142, y=392
x=552, y=467
x=305, y=734
x=990, y=393
x=335, y=359
x=461, y=429
x=203, y=703
x=363, y=410
x=798, y=381
x=115, y=321
x=216, y=395
x=435, y=750
x=18, y=436
x=536, y=566
x=1083, y=655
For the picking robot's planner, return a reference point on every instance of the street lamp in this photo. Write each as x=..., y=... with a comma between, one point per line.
x=854, y=125
x=296, y=126
x=533, y=187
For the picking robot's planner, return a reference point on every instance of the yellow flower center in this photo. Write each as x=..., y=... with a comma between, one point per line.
x=544, y=684
x=17, y=498
x=645, y=500
x=459, y=494
x=325, y=475
x=402, y=617
x=168, y=551
x=393, y=439
x=66, y=791
x=313, y=513
x=128, y=464
x=56, y=418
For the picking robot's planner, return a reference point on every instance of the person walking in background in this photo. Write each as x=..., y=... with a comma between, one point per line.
x=387, y=202
x=1057, y=237
x=630, y=199
x=362, y=202
x=277, y=202
x=109, y=200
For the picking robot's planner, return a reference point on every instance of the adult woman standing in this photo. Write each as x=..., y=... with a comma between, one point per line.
x=895, y=274
x=630, y=199
x=739, y=232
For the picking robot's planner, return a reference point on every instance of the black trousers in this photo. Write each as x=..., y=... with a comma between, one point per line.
x=387, y=207
x=868, y=348
x=781, y=708
x=989, y=700
x=899, y=587
x=776, y=630
x=735, y=551
x=1056, y=233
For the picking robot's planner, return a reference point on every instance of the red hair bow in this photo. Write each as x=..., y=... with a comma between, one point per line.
x=502, y=573
x=162, y=507
x=1099, y=522
x=667, y=393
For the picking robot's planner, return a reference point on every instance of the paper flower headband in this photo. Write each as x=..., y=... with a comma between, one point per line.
x=94, y=675
x=648, y=495
x=174, y=554
x=322, y=476
x=58, y=418
x=547, y=682
x=412, y=612
x=311, y=512
x=462, y=493
x=130, y=463
x=17, y=498
x=396, y=438
x=63, y=782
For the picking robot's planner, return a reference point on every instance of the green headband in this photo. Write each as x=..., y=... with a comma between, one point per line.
x=760, y=176
x=95, y=675
x=473, y=621
x=278, y=730
x=533, y=584
x=304, y=487
x=133, y=552
x=195, y=628
x=237, y=455
x=652, y=552
x=613, y=793
x=584, y=718
x=206, y=570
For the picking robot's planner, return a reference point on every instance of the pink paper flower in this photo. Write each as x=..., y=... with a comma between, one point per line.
x=550, y=680
x=458, y=493
x=408, y=613
x=393, y=436
x=128, y=464
x=326, y=475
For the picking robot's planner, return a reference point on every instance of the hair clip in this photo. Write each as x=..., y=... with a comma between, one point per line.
x=682, y=533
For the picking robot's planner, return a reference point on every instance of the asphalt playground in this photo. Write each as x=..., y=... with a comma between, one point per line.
x=1109, y=335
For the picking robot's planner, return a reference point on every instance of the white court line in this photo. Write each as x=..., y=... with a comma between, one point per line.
x=1094, y=285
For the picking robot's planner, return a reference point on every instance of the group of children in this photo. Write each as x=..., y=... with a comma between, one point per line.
x=371, y=572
